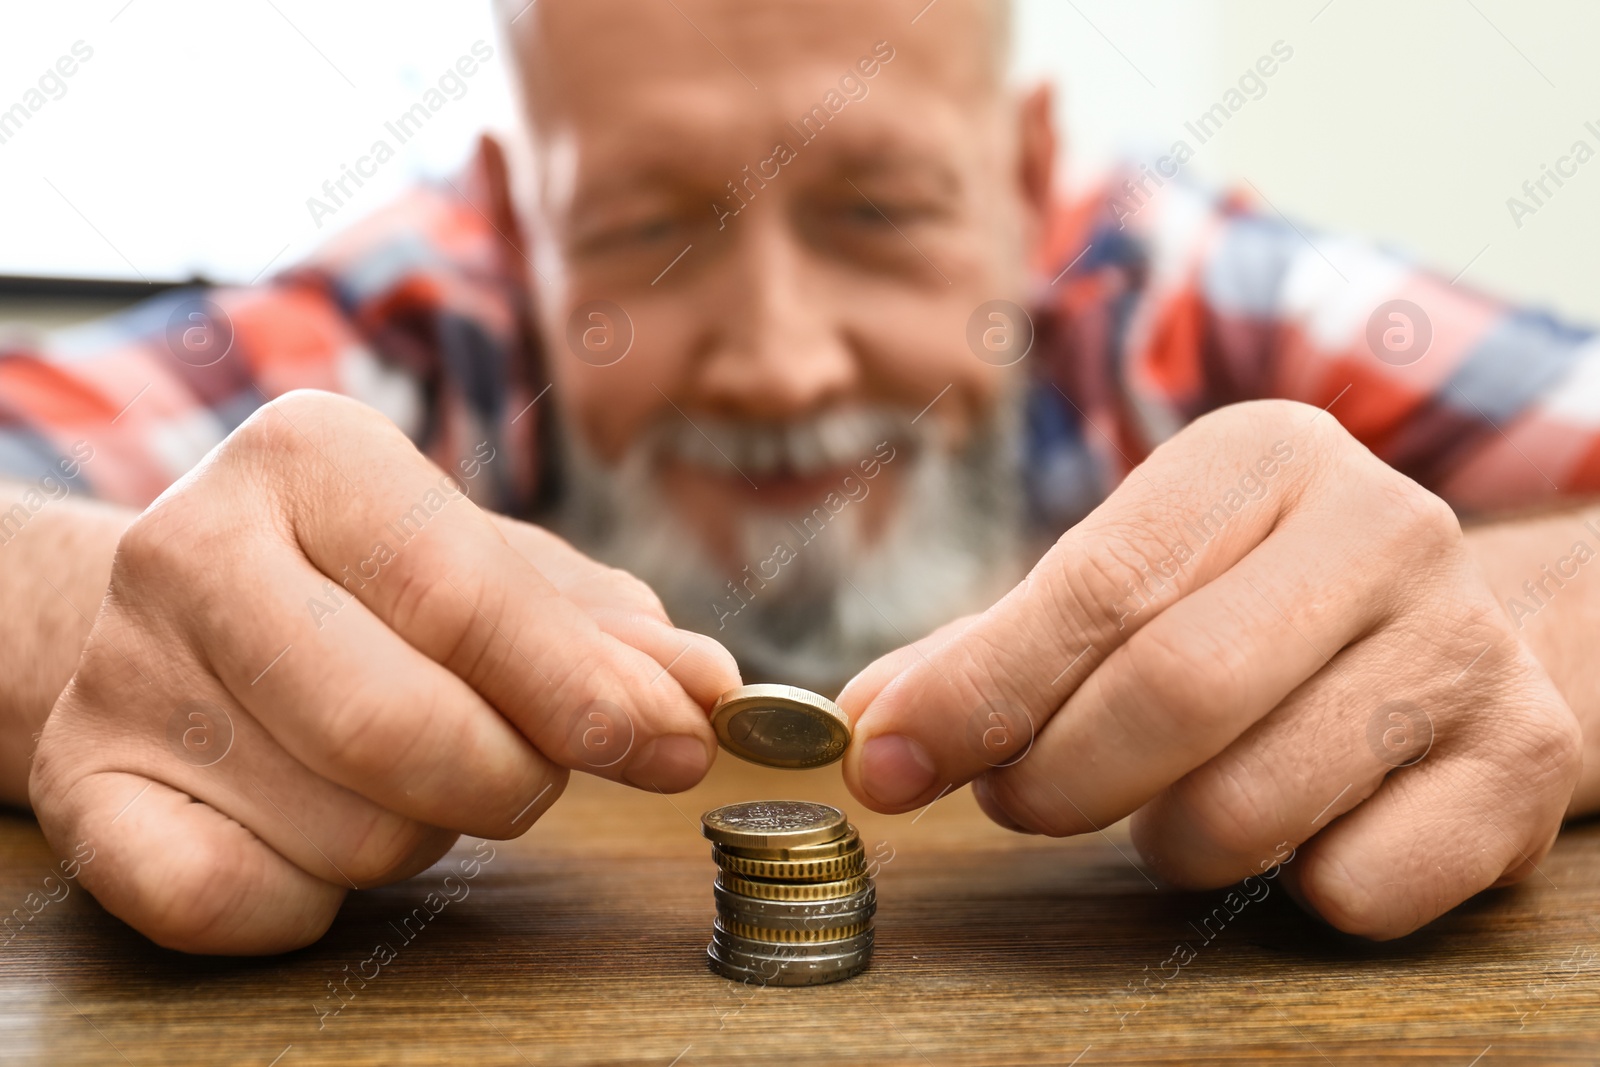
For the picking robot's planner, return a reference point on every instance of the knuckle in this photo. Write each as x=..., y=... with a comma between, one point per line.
x=1015, y=793
x=309, y=409
x=556, y=729
x=1334, y=894
x=427, y=600
x=1190, y=674
x=391, y=847
x=201, y=892
x=1271, y=415
x=1226, y=815
x=1101, y=573
x=300, y=425
x=358, y=740
x=527, y=803
x=633, y=592
x=1546, y=747
x=981, y=672
x=186, y=532
x=461, y=620
x=156, y=545
x=192, y=899
x=1418, y=518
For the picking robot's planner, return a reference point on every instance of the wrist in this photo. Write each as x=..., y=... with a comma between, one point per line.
x=1544, y=571
x=53, y=573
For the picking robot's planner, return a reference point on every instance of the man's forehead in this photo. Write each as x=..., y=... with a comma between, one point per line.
x=577, y=56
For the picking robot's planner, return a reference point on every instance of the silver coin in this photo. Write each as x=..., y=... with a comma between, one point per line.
x=777, y=973
x=797, y=914
x=773, y=823
x=779, y=968
x=748, y=952
x=781, y=726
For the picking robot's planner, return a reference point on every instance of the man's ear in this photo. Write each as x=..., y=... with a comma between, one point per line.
x=502, y=213
x=1037, y=152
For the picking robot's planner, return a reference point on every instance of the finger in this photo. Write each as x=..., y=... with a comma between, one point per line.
x=347, y=698
x=861, y=690
x=438, y=572
x=700, y=666
x=209, y=748
x=980, y=701
x=1479, y=812
x=581, y=579
x=1193, y=680
x=627, y=609
x=1316, y=756
x=983, y=793
x=182, y=874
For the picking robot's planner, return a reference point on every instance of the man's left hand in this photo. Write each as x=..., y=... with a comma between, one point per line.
x=1265, y=644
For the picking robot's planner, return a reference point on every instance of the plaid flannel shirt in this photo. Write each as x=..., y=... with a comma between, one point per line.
x=1148, y=312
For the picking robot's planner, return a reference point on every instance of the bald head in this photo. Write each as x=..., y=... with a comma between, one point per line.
x=562, y=47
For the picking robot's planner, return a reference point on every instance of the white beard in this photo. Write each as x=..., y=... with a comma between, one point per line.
x=835, y=603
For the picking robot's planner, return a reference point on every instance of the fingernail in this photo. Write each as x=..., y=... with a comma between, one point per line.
x=895, y=769
x=670, y=764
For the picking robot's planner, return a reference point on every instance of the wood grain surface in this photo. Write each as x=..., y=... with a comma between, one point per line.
x=583, y=943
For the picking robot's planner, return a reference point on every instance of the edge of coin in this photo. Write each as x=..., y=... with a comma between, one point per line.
x=818, y=850
x=780, y=975
x=776, y=935
x=736, y=700
x=832, y=869
x=739, y=904
x=795, y=891
x=747, y=839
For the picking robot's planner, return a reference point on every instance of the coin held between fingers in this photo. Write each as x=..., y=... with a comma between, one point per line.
x=781, y=726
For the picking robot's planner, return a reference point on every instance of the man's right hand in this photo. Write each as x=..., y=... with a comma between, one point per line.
x=317, y=663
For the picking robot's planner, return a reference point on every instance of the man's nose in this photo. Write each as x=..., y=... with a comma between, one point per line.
x=776, y=350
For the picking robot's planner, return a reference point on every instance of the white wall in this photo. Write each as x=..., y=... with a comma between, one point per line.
x=1408, y=122
x=193, y=137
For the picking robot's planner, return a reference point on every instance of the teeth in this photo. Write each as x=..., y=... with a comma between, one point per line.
x=806, y=454
x=694, y=448
x=841, y=439
x=836, y=439
x=765, y=453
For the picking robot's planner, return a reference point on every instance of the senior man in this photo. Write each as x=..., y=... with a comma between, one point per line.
x=746, y=321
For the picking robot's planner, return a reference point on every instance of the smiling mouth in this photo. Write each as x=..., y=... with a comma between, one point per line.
x=779, y=488
x=768, y=464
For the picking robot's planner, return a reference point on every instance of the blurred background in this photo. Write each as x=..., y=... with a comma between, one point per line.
x=187, y=143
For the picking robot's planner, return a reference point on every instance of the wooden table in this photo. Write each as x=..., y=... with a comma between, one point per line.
x=583, y=943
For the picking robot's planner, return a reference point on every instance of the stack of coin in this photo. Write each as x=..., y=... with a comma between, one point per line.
x=794, y=899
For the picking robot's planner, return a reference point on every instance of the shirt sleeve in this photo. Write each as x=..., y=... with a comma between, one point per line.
x=1490, y=405
x=409, y=311
x=123, y=407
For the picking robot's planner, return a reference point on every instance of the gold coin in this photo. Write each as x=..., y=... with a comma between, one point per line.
x=780, y=726
x=768, y=934
x=820, y=870
x=754, y=887
x=773, y=823
x=822, y=850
